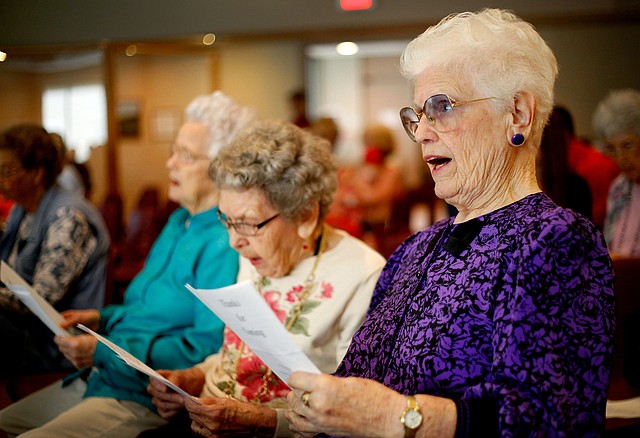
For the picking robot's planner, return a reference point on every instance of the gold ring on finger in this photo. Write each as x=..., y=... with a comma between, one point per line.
x=305, y=398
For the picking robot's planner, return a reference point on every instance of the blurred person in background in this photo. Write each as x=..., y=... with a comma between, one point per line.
x=160, y=322
x=565, y=187
x=585, y=160
x=5, y=208
x=70, y=178
x=298, y=105
x=370, y=190
x=343, y=213
x=326, y=128
x=616, y=122
x=54, y=239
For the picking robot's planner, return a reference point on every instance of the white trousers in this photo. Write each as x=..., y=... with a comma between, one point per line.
x=57, y=412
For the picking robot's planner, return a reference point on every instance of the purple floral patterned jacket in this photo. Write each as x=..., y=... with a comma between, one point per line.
x=511, y=315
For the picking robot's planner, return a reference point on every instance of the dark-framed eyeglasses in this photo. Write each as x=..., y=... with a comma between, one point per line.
x=243, y=228
x=438, y=109
x=184, y=155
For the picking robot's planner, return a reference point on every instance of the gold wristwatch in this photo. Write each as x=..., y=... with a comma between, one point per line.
x=411, y=417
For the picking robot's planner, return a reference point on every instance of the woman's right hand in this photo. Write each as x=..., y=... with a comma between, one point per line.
x=79, y=350
x=89, y=318
x=354, y=406
x=169, y=402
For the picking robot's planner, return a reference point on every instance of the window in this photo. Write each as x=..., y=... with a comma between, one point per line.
x=79, y=115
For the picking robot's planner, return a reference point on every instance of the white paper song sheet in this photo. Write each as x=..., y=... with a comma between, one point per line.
x=34, y=302
x=243, y=310
x=134, y=362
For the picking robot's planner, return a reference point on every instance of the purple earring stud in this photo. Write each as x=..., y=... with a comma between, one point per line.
x=517, y=139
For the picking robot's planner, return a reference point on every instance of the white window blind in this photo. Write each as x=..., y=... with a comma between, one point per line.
x=78, y=114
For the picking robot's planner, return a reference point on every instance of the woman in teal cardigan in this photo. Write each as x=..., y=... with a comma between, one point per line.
x=159, y=322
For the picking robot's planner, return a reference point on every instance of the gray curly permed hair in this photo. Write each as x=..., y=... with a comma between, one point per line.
x=291, y=166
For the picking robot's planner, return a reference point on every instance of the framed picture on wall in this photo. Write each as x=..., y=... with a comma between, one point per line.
x=128, y=116
x=165, y=122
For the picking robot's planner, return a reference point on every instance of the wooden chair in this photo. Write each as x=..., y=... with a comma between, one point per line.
x=625, y=378
x=143, y=226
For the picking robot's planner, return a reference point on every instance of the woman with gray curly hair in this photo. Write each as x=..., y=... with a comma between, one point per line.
x=616, y=122
x=276, y=184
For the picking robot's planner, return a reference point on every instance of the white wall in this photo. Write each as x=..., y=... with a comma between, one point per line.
x=161, y=85
x=335, y=91
x=262, y=74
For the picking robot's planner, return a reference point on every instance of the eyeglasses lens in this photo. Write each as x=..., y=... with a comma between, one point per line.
x=246, y=229
x=239, y=227
x=410, y=121
x=183, y=155
x=438, y=110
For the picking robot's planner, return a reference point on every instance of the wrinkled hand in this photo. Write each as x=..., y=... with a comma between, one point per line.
x=169, y=402
x=78, y=350
x=343, y=407
x=225, y=417
x=89, y=318
x=354, y=406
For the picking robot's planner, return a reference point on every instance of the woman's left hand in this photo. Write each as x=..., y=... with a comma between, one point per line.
x=218, y=417
x=343, y=406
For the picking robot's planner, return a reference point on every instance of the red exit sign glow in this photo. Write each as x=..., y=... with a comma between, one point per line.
x=356, y=5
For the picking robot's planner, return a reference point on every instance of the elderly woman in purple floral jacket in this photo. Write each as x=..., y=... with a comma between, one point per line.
x=498, y=321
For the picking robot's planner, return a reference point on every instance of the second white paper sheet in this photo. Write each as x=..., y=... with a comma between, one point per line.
x=243, y=310
x=136, y=363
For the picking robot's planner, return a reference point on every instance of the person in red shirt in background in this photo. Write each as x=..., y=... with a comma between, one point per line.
x=589, y=163
x=5, y=208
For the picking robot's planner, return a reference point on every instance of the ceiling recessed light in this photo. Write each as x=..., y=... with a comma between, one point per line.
x=131, y=50
x=208, y=39
x=347, y=48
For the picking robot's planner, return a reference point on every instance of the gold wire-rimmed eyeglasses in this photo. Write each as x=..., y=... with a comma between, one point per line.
x=438, y=109
x=184, y=155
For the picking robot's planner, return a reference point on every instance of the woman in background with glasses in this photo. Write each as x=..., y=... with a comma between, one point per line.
x=616, y=122
x=159, y=322
x=276, y=185
x=498, y=321
x=55, y=240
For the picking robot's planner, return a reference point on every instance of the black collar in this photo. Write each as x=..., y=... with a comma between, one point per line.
x=462, y=236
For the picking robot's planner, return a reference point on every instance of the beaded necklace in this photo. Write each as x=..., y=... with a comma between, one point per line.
x=292, y=317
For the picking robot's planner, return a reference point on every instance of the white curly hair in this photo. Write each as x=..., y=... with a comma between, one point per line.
x=496, y=50
x=224, y=117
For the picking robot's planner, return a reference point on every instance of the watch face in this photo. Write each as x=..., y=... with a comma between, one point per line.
x=412, y=419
